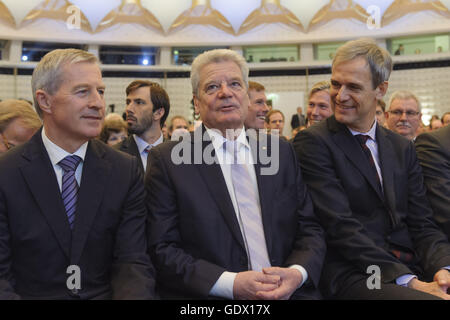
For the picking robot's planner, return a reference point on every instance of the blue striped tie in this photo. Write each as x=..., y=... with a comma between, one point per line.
x=69, y=190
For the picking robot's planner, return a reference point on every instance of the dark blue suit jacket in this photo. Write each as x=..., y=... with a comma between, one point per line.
x=194, y=233
x=108, y=242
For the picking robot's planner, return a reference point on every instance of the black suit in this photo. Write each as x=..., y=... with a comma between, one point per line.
x=433, y=151
x=297, y=121
x=362, y=225
x=108, y=242
x=129, y=146
x=195, y=235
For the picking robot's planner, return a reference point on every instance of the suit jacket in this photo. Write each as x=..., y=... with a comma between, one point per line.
x=129, y=146
x=194, y=232
x=108, y=241
x=297, y=121
x=433, y=151
x=362, y=224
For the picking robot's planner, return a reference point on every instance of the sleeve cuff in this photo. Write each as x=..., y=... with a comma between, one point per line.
x=405, y=279
x=302, y=271
x=224, y=286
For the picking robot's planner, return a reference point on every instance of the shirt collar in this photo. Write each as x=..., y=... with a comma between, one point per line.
x=142, y=144
x=56, y=153
x=218, y=140
x=371, y=133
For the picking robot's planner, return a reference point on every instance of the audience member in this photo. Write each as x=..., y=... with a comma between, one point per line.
x=367, y=188
x=147, y=109
x=275, y=122
x=258, y=109
x=445, y=118
x=433, y=151
x=18, y=123
x=60, y=238
x=298, y=119
x=179, y=126
x=380, y=113
x=404, y=114
x=319, y=103
x=114, y=129
x=214, y=228
x=435, y=124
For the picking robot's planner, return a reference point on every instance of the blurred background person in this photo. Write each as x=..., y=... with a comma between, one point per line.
x=258, y=107
x=298, y=119
x=435, y=124
x=404, y=115
x=179, y=126
x=275, y=122
x=18, y=123
x=114, y=129
x=319, y=103
x=380, y=113
x=445, y=118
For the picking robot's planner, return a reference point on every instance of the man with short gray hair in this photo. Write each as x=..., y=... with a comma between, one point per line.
x=367, y=188
x=220, y=225
x=72, y=212
x=404, y=114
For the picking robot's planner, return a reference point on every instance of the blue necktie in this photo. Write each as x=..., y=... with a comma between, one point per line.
x=69, y=190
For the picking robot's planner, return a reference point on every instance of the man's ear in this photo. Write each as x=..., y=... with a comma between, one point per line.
x=382, y=89
x=158, y=114
x=44, y=101
x=196, y=107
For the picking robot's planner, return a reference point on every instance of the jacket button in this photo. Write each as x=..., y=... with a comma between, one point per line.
x=243, y=261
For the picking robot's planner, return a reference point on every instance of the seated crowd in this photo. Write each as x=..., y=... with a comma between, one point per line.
x=95, y=207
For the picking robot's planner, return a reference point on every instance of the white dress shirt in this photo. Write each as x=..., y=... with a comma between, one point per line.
x=142, y=144
x=56, y=154
x=224, y=285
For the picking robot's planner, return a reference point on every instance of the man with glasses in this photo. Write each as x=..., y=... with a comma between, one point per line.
x=18, y=123
x=404, y=114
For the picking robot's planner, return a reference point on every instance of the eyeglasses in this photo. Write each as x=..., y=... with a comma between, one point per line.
x=399, y=113
x=7, y=145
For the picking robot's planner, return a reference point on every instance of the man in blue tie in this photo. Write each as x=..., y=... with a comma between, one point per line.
x=72, y=212
x=223, y=221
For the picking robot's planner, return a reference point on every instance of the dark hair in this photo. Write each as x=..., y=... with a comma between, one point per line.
x=158, y=96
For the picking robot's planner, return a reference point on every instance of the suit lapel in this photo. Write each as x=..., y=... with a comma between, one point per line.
x=386, y=155
x=96, y=170
x=129, y=146
x=354, y=153
x=41, y=179
x=213, y=177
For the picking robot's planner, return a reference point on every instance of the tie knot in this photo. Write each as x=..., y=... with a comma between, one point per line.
x=147, y=149
x=362, y=138
x=70, y=163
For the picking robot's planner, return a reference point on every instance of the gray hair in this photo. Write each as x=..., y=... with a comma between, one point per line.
x=47, y=75
x=379, y=60
x=216, y=56
x=404, y=95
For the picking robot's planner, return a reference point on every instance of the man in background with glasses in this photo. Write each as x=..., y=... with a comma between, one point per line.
x=404, y=114
x=18, y=123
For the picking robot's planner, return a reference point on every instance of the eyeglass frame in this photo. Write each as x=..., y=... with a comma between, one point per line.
x=399, y=113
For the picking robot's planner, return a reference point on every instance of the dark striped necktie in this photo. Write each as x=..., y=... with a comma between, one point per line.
x=69, y=192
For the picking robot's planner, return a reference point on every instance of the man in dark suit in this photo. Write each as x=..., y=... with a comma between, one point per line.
x=147, y=109
x=72, y=212
x=228, y=228
x=298, y=119
x=433, y=151
x=367, y=188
